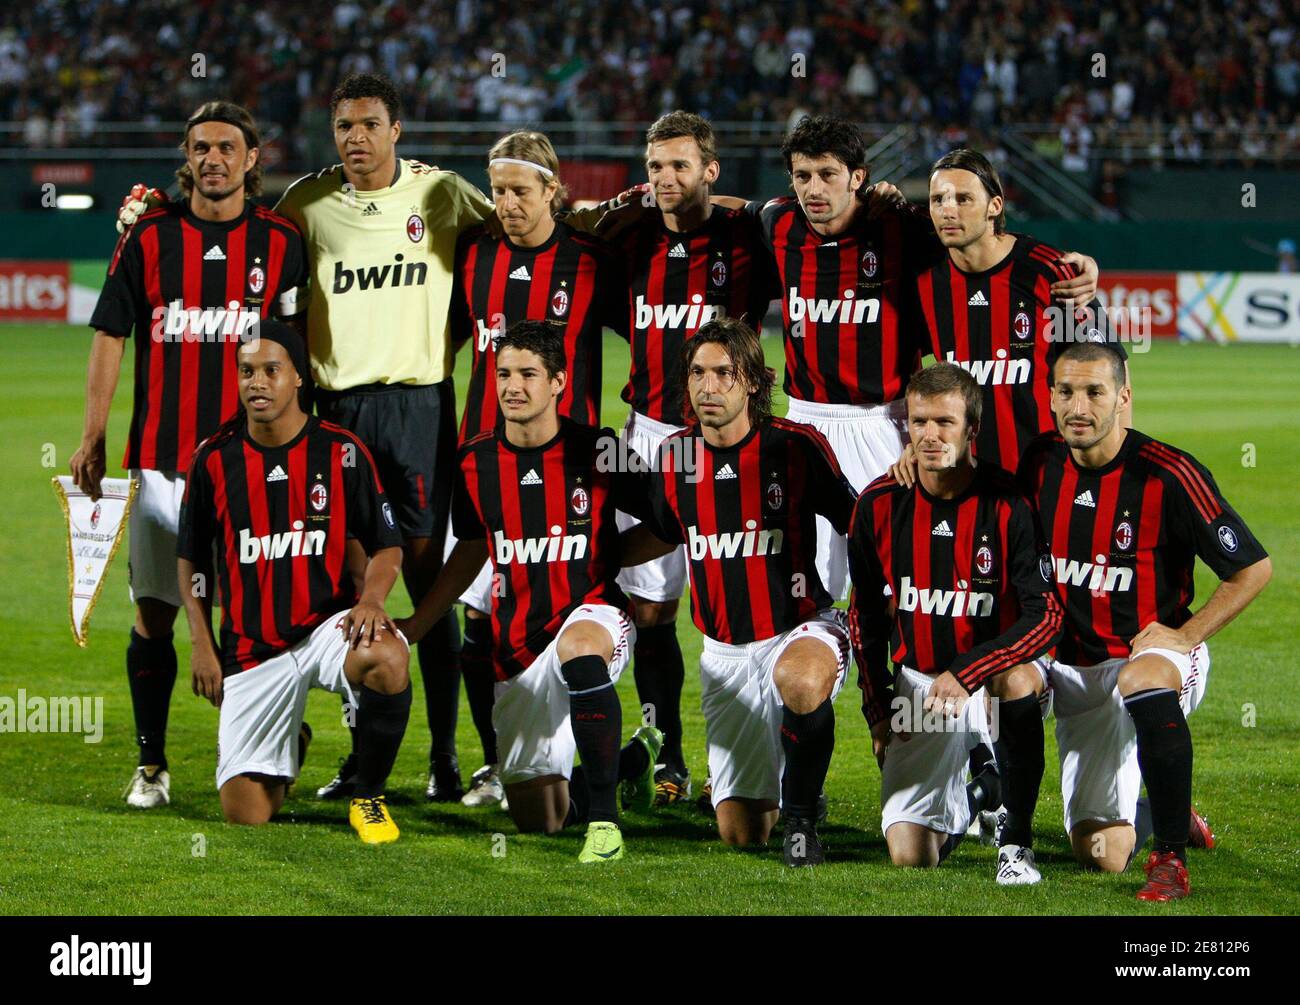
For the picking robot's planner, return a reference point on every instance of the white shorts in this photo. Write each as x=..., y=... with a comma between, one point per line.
x=866, y=440
x=479, y=594
x=151, y=533
x=262, y=708
x=531, y=714
x=663, y=578
x=923, y=779
x=743, y=710
x=1100, y=778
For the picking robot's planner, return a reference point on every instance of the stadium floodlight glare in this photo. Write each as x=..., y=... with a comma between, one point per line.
x=75, y=200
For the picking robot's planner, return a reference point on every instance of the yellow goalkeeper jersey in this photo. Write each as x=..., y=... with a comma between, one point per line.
x=381, y=272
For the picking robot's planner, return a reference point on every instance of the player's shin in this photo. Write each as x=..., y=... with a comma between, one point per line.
x=1019, y=750
x=660, y=672
x=808, y=740
x=439, y=653
x=381, y=724
x=151, y=672
x=597, y=721
x=1164, y=751
x=480, y=682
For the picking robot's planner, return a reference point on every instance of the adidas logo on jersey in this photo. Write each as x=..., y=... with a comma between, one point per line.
x=531, y=478
x=943, y=530
x=272, y=546
x=559, y=547
x=520, y=273
x=371, y=210
x=277, y=475
x=961, y=603
x=724, y=473
x=742, y=544
x=978, y=300
x=1084, y=498
x=214, y=254
x=678, y=251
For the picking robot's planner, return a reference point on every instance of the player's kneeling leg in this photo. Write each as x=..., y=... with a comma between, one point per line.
x=252, y=799
x=1102, y=844
x=1018, y=745
x=379, y=674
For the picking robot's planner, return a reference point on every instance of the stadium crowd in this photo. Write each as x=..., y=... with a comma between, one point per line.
x=1180, y=81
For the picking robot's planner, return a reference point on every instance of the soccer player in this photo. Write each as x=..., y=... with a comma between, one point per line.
x=189, y=280
x=687, y=263
x=742, y=489
x=533, y=496
x=953, y=574
x=533, y=267
x=273, y=497
x=849, y=303
x=1125, y=517
x=382, y=232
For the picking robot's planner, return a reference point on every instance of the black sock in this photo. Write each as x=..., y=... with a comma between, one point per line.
x=381, y=724
x=480, y=682
x=1142, y=824
x=659, y=673
x=949, y=845
x=808, y=741
x=1164, y=750
x=984, y=791
x=596, y=717
x=980, y=756
x=1019, y=749
x=579, y=800
x=151, y=673
x=440, y=672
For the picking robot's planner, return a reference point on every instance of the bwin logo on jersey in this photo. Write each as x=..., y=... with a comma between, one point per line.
x=559, y=547
x=994, y=371
x=374, y=277
x=272, y=546
x=962, y=603
x=671, y=317
x=742, y=544
x=846, y=310
x=1095, y=576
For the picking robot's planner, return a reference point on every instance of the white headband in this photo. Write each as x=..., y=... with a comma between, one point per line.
x=528, y=164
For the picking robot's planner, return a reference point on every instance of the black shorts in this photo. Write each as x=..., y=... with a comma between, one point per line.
x=411, y=431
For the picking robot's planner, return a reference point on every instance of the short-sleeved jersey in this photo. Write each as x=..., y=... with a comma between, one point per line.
x=849, y=302
x=547, y=514
x=1124, y=538
x=570, y=281
x=280, y=518
x=748, y=517
x=969, y=577
x=189, y=290
x=382, y=269
x=1001, y=326
x=679, y=281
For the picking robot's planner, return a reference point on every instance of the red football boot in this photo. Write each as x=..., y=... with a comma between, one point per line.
x=1167, y=878
x=1199, y=834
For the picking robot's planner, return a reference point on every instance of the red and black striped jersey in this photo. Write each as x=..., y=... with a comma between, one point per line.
x=280, y=518
x=547, y=513
x=748, y=517
x=188, y=289
x=1000, y=326
x=969, y=581
x=1124, y=538
x=571, y=281
x=849, y=302
x=678, y=282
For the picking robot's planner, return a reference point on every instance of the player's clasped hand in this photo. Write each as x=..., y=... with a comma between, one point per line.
x=365, y=623
x=88, y=466
x=946, y=696
x=206, y=677
x=881, y=735
x=1158, y=636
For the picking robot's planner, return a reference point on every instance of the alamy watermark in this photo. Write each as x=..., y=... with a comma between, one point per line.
x=60, y=714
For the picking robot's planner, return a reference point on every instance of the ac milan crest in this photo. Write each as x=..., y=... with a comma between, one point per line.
x=559, y=303
x=94, y=516
x=775, y=497
x=319, y=497
x=984, y=561
x=1124, y=536
x=580, y=501
x=415, y=228
x=256, y=279
x=1022, y=325
x=869, y=263
x=719, y=272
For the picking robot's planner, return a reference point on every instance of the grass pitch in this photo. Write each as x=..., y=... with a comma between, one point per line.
x=68, y=843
